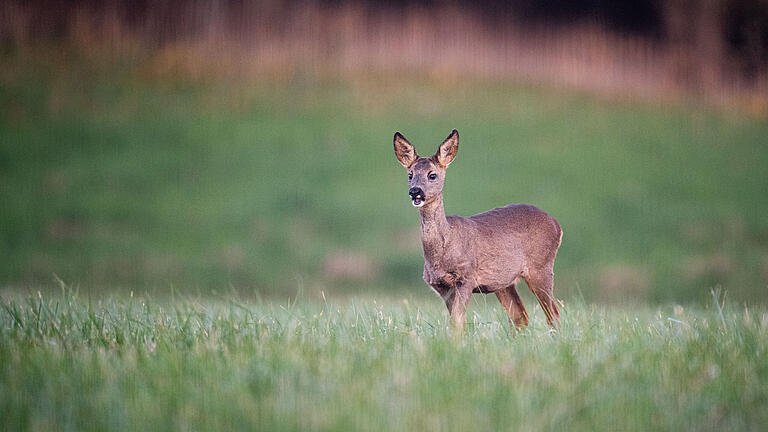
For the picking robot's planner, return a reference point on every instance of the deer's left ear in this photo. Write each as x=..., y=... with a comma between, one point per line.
x=448, y=149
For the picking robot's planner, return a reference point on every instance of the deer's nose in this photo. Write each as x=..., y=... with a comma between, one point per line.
x=416, y=192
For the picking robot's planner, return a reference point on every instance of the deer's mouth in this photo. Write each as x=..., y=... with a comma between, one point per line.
x=417, y=196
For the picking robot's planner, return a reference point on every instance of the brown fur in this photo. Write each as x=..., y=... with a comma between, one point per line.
x=485, y=253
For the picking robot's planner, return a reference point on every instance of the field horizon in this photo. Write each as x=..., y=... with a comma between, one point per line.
x=146, y=184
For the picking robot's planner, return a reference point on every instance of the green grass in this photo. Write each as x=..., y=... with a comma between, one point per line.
x=108, y=178
x=178, y=191
x=136, y=363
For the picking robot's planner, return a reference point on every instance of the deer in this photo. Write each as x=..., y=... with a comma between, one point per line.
x=485, y=253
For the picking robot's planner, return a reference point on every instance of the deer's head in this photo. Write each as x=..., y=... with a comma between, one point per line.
x=426, y=174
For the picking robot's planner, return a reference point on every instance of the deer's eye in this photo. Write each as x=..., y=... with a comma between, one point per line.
x=432, y=176
x=410, y=176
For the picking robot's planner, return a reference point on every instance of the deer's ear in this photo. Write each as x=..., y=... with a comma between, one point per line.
x=404, y=151
x=448, y=149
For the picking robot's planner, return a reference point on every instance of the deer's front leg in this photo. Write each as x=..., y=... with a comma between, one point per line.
x=457, y=302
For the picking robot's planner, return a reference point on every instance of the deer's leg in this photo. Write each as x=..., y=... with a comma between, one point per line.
x=457, y=301
x=513, y=305
x=542, y=286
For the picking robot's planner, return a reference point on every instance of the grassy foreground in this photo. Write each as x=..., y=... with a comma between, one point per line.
x=71, y=363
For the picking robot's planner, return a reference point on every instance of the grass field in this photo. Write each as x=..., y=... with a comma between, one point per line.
x=204, y=205
x=110, y=176
x=128, y=363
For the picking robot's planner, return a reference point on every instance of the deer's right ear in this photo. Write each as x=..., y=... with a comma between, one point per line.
x=404, y=151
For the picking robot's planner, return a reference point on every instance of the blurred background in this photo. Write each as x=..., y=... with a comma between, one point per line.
x=214, y=146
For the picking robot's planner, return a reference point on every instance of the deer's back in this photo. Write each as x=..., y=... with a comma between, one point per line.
x=517, y=229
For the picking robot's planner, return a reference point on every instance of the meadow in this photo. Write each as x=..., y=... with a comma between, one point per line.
x=135, y=363
x=194, y=253
x=116, y=175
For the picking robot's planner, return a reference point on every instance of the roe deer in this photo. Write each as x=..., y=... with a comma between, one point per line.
x=484, y=253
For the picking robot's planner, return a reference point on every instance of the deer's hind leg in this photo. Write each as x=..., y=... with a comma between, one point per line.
x=513, y=305
x=541, y=284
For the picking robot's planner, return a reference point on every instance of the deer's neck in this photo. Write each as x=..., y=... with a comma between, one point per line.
x=434, y=229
